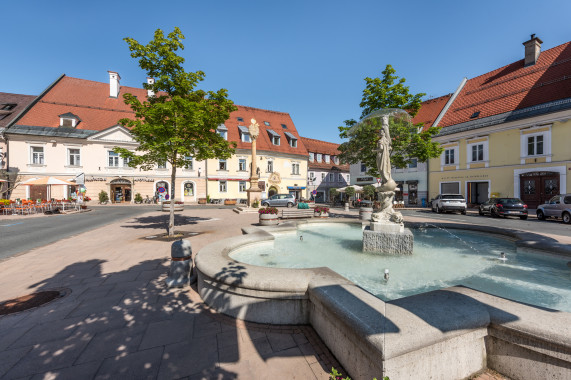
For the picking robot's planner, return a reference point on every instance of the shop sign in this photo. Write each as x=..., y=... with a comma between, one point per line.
x=95, y=179
x=143, y=179
x=365, y=179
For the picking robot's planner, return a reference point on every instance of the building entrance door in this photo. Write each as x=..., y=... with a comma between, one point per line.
x=478, y=192
x=120, y=190
x=538, y=187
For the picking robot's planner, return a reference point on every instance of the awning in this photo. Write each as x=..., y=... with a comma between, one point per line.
x=290, y=136
x=296, y=187
x=243, y=129
x=273, y=133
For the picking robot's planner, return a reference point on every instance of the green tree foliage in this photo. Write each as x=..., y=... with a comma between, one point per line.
x=180, y=121
x=408, y=141
x=349, y=191
x=369, y=191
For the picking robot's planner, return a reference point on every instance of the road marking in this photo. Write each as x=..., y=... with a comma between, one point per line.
x=13, y=224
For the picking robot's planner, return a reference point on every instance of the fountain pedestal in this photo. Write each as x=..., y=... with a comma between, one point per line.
x=387, y=238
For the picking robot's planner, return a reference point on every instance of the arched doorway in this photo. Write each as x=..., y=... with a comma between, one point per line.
x=272, y=191
x=188, y=191
x=538, y=187
x=162, y=191
x=120, y=190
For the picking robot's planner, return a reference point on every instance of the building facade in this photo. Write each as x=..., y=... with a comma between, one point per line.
x=507, y=133
x=324, y=172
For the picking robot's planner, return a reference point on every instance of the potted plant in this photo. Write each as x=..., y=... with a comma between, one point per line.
x=256, y=203
x=201, y=201
x=229, y=201
x=103, y=197
x=268, y=216
x=138, y=198
x=321, y=212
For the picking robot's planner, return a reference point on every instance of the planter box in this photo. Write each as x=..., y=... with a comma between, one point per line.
x=268, y=219
x=177, y=207
x=201, y=201
x=321, y=214
x=230, y=201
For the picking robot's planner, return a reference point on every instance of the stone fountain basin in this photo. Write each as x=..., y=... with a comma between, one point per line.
x=449, y=333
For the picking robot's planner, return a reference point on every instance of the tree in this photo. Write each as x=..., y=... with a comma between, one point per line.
x=349, y=191
x=408, y=141
x=369, y=191
x=332, y=194
x=179, y=122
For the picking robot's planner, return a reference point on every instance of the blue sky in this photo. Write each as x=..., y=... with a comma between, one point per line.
x=307, y=58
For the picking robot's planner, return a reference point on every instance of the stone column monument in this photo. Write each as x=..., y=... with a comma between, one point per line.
x=386, y=233
x=254, y=192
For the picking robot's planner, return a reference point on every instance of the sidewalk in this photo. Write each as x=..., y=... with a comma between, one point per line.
x=119, y=321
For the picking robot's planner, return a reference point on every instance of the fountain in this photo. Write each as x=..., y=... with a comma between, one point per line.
x=386, y=233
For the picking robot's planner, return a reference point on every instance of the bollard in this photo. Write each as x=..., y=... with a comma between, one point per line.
x=181, y=264
x=346, y=206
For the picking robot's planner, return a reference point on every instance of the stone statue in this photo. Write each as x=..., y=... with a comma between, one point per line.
x=388, y=185
x=254, y=129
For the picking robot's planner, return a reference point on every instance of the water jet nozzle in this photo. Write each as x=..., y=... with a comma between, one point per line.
x=301, y=238
x=386, y=276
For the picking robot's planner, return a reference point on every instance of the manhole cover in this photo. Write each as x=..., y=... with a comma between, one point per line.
x=29, y=301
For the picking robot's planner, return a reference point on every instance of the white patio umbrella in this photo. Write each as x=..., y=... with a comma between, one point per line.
x=357, y=188
x=49, y=181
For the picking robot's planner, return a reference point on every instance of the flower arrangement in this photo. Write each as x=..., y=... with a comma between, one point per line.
x=176, y=202
x=268, y=210
x=321, y=209
x=4, y=202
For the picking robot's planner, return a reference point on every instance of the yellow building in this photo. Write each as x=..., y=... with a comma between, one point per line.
x=281, y=157
x=508, y=132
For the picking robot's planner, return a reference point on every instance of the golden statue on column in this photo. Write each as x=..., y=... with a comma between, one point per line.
x=254, y=190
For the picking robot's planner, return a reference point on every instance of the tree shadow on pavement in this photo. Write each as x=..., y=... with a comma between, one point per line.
x=162, y=221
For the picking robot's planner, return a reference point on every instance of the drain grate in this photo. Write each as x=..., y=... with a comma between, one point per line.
x=29, y=301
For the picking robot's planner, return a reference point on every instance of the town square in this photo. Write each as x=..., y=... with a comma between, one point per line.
x=277, y=191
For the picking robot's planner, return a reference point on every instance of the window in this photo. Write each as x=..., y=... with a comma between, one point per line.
x=311, y=156
x=276, y=140
x=240, y=119
x=348, y=178
x=331, y=177
x=322, y=177
x=363, y=168
x=223, y=134
x=449, y=157
x=535, y=145
x=327, y=158
x=311, y=176
x=37, y=155
x=295, y=168
x=478, y=152
x=242, y=164
x=67, y=123
x=318, y=157
x=340, y=178
x=242, y=186
x=113, y=159
x=267, y=123
x=293, y=143
x=189, y=165
x=336, y=160
x=270, y=167
x=284, y=126
x=413, y=163
x=74, y=158
x=126, y=162
x=222, y=187
x=161, y=165
x=222, y=165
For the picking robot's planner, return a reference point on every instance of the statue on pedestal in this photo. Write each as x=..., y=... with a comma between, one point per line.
x=254, y=190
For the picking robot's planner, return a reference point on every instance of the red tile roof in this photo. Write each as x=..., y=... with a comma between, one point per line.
x=21, y=102
x=323, y=147
x=514, y=87
x=90, y=101
x=429, y=111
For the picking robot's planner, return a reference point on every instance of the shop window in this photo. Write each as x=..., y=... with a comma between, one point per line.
x=188, y=189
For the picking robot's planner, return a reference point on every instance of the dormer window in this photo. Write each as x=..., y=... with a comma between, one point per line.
x=311, y=156
x=240, y=119
x=292, y=140
x=68, y=120
x=244, y=134
x=222, y=131
x=319, y=157
x=327, y=158
x=284, y=126
x=274, y=137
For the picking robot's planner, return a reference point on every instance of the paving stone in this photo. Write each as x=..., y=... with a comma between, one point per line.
x=8, y=337
x=252, y=334
x=206, y=329
x=290, y=363
x=281, y=342
x=49, y=356
x=309, y=353
x=7, y=322
x=122, y=277
x=167, y=332
x=88, y=307
x=260, y=346
x=103, y=321
x=10, y=357
x=231, y=371
x=139, y=365
x=81, y=371
x=112, y=343
x=299, y=338
x=319, y=371
x=189, y=358
x=46, y=332
x=228, y=338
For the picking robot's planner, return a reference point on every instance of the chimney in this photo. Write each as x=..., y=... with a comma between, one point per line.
x=150, y=93
x=114, y=86
x=532, y=50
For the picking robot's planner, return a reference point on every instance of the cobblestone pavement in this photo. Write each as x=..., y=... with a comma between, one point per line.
x=119, y=321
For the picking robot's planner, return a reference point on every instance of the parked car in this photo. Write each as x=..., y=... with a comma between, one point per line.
x=558, y=207
x=277, y=200
x=504, y=207
x=449, y=202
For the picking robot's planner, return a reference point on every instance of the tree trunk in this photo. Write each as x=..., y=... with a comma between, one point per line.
x=171, y=217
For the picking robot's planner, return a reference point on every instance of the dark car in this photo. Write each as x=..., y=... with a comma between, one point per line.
x=504, y=207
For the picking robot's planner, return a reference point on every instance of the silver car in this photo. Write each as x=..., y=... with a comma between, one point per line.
x=449, y=202
x=277, y=200
x=558, y=207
